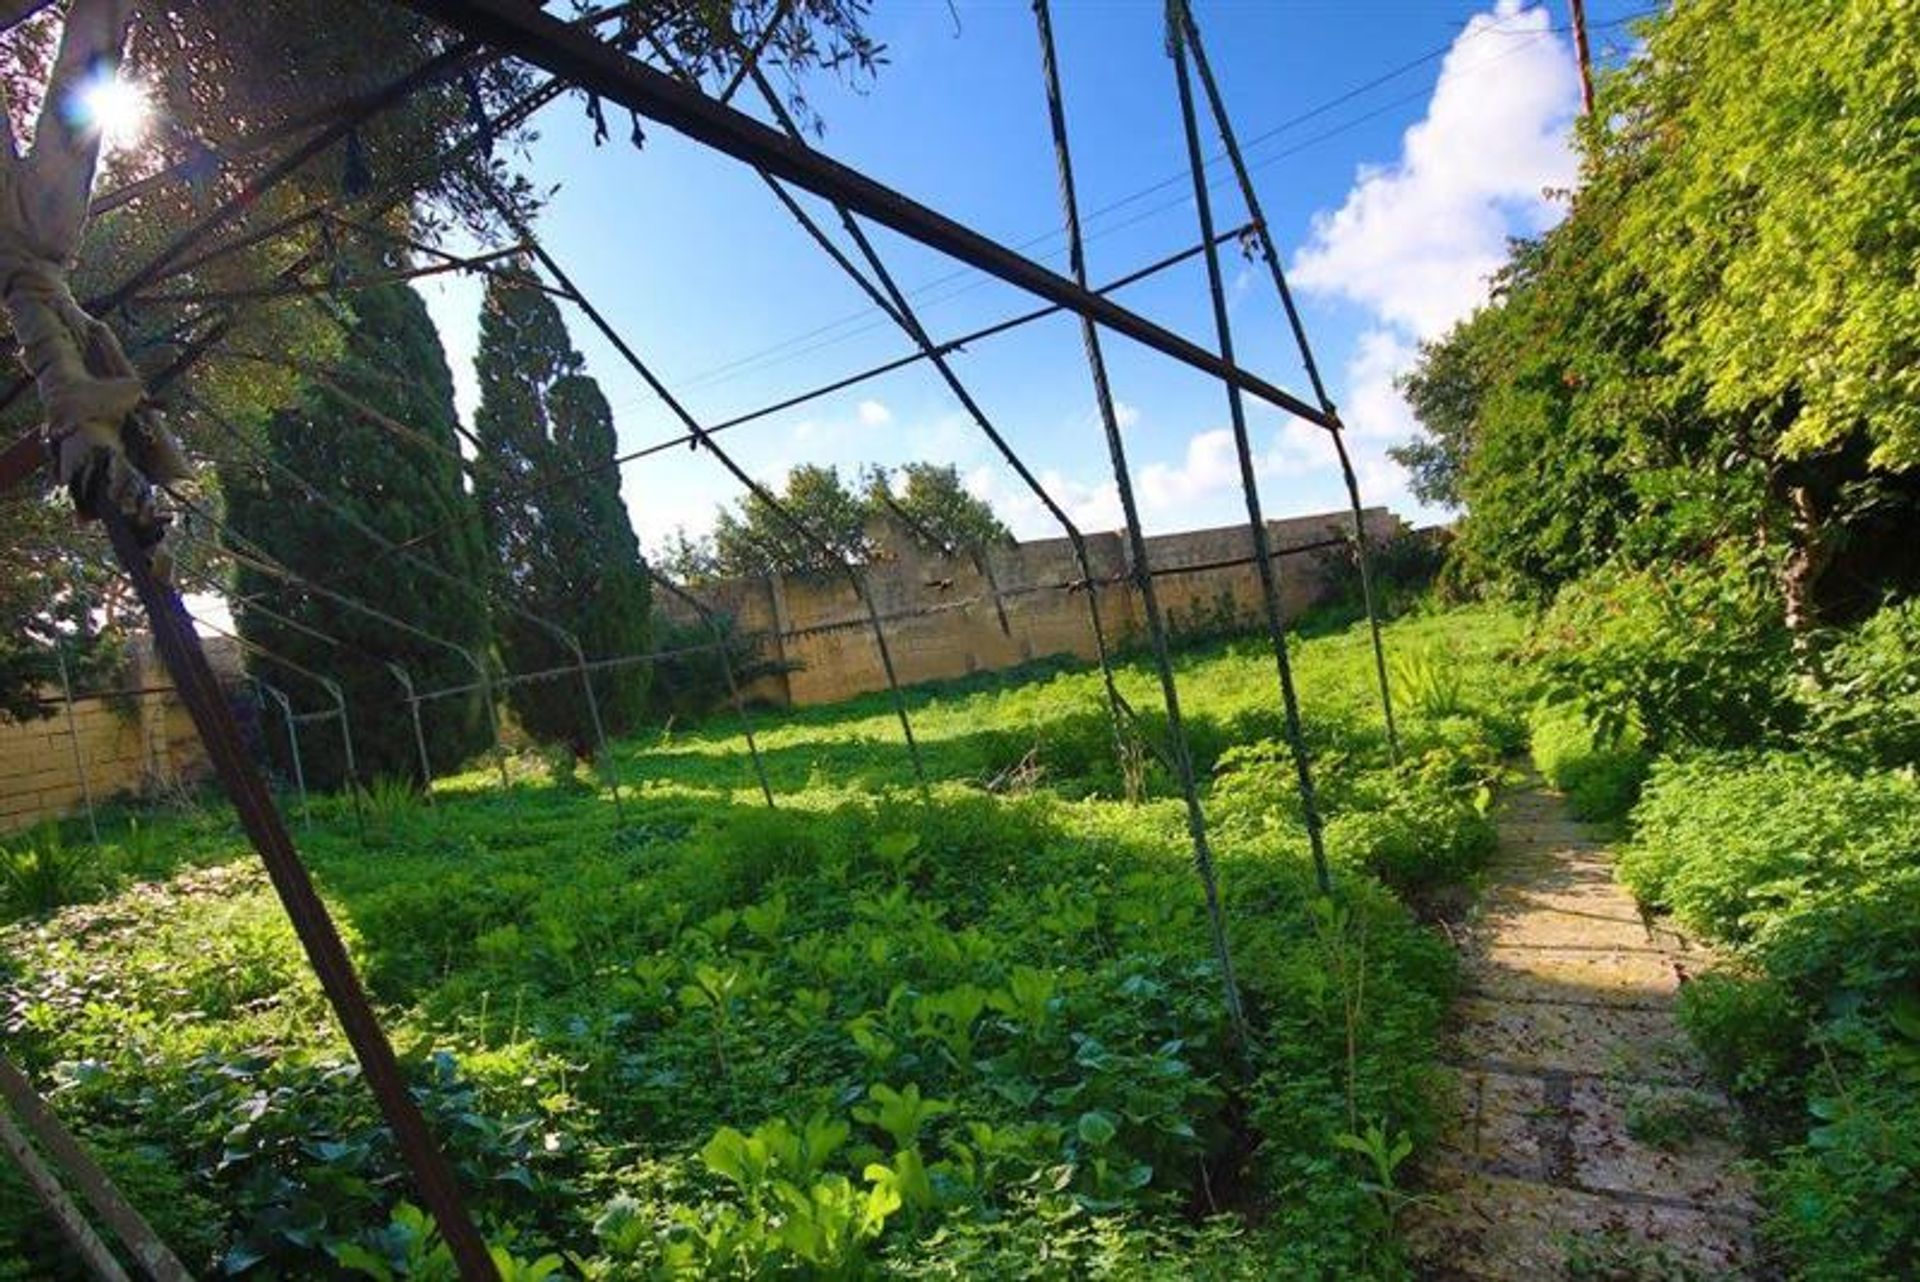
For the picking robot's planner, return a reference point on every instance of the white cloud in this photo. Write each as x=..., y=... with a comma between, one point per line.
x=874, y=414
x=1125, y=415
x=1415, y=241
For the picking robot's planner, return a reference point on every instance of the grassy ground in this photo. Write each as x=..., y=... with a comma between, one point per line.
x=978, y=1034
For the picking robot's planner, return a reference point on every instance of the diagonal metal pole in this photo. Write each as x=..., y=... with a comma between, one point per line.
x=594, y=65
x=894, y=303
x=1268, y=251
x=58, y=1203
x=1263, y=561
x=702, y=437
x=1142, y=572
x=187, y=663
x=85, y=1174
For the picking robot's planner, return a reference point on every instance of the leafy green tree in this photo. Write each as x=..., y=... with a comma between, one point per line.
x=686, y=558
x=756, y=539
x=934, y=504
x=223, y=76
x=565, y=556
x=396, y=469
x=1717, y=344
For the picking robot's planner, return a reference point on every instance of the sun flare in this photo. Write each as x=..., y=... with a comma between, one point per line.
x=119, y=109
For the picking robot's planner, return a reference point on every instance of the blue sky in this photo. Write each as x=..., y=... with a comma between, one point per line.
x=1390, y=207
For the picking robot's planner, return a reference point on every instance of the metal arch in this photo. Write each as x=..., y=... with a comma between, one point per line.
x=565, y=637
x=293, y=746
x=419, y=736
x=258, y=559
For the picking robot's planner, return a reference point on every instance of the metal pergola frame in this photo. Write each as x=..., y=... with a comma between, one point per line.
x=574, y=57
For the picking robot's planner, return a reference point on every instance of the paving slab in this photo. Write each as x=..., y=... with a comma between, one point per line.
x=1582, y=1114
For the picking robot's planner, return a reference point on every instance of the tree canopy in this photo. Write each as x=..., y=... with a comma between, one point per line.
x=234, y=85
x=1717, y=344
x=927, y=503
x=565, y=557
x=397, y=470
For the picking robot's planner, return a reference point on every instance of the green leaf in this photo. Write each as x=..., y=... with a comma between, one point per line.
x=1097, y=1129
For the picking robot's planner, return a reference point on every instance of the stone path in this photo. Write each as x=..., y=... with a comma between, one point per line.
x=1583, y=1124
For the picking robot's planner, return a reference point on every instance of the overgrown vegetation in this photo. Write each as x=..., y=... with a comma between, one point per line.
x=856, y=1036
x=1685, y=426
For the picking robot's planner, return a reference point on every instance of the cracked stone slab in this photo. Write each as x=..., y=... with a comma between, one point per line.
x=1569, y=1066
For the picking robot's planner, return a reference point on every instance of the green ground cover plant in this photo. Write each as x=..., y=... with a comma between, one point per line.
x=1780, y=822
x=858, y=1036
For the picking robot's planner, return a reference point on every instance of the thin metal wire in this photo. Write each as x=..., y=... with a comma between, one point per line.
x=894, y=304
x=1243, y=447
x=1143, y=577
x=821, y=544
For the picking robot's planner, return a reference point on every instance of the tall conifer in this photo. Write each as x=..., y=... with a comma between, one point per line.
x=377, y=436
x=568, y=554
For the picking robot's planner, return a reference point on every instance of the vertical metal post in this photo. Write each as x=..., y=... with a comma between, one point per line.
x=1217, y=104
x=346, y=740
x=1142, y=573
x=187, y=663
x=293, y=749
x=73, y=739
x=419, y=735
x=706, y=614
x=1249, y=483
x=493, y=717
x=607, y=770
x=1583, y=55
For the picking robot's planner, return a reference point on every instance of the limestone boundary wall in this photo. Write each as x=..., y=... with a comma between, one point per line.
x=138, y=738
x=950, y=616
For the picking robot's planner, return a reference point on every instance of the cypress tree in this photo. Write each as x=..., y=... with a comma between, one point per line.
x=568, y=554
x=400, y=477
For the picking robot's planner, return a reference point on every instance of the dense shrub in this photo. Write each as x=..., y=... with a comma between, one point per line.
x=690, y=679
x=1417, y=826
x=1867, y=709
x=1598, y=763
x=1694, y=655
x=1740, y=849
x=1810, y=875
